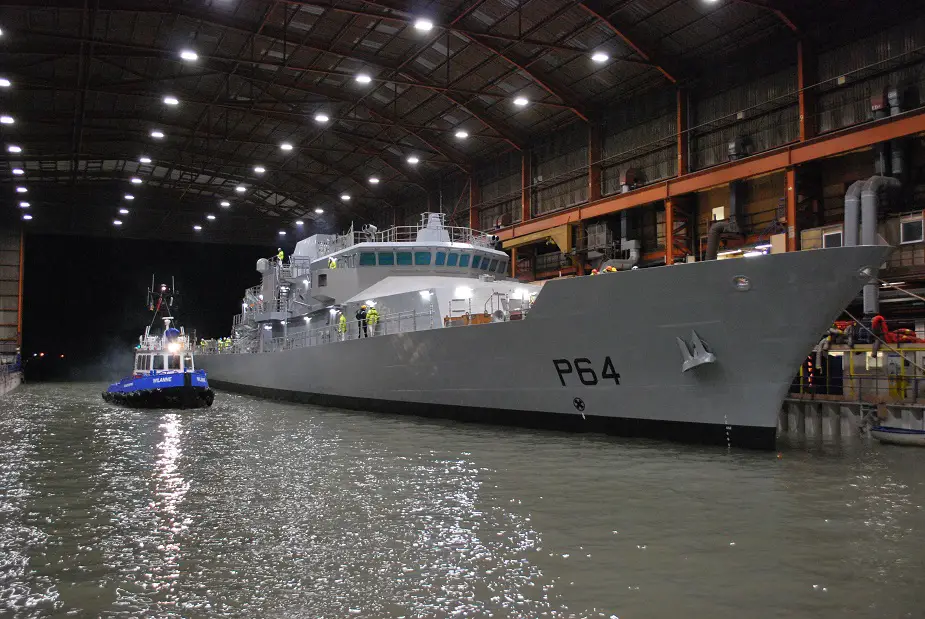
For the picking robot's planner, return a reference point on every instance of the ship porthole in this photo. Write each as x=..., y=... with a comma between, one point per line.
x=741, y=282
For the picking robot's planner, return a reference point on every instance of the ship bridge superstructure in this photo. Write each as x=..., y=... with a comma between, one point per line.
x=425, y=276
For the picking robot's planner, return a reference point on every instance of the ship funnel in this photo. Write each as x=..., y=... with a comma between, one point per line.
x=433, y=229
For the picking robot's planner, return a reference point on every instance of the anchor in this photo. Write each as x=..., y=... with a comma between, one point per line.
x=700, y=356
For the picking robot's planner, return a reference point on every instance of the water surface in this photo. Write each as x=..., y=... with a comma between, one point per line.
x=260, y=509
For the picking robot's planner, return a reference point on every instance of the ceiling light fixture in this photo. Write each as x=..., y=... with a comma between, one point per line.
x=12, y=148
x=521, y=101
x=171, y=100
x=123, y=211
x=286, y=146
x=299, y=222
x=319, y=211
x=189, y=55
x=373, y=180
x=259, y=169
x=21, y=190
x=145, y=160
x=157, y=134
x=240, y=188
x=129, y=196
x=225, y=203
x=345, y=197
x=600, y=57
x=5, y=83
x=413, y=160
x=117, y=222
x=423, y=25
x=282, y=233
x=462, y=135
x=363, y=78
x=18, y=171
x=27, y=216
x=197, y=227
x=135, y=180
x=322, y=118
x=7, y=120
x=210, y=217
x=24, y=205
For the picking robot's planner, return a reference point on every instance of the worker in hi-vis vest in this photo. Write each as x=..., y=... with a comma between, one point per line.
x=372, y=319
x=332, y=263
x=280, y=255
x=341, y=327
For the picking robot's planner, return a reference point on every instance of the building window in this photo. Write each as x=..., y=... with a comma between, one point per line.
x=452, y=259
x=386, y=259
x=422, y=258
x=910, y=229
x=831, y=239
x=322, y=280
x=367, y=259
x=476, y=261
x=464, y=261
x=440, y=259
x=403, y=258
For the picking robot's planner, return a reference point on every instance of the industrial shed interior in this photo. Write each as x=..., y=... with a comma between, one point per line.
x=576, y=132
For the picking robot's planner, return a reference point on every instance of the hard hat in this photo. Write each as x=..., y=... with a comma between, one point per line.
x=279, y=249
x=362, y=307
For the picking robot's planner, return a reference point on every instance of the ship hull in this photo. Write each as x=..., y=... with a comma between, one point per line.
x=595, y=353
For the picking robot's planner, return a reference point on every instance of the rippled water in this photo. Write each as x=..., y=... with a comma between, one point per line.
x=260, y=509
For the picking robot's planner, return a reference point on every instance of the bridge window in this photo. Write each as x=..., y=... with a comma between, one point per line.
x=158, y=362
x=403, y=258
x=440, y=259
x=464, y=261
x=493, y=265
x=367, y=259
x=173, y=362
x=476, y=262
x=188, y=362
x=422, y=258
x=451, y=260
x=386, y=259
x=502, y=266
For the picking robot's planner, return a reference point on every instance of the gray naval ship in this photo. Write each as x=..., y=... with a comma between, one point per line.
x=703, y=352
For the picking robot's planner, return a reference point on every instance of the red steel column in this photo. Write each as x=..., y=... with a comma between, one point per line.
x=806, y=78
x=669, y=232
x=475, y=198
x=682, y=132
x=594, y=162
x=792, y=232
x=526, y=190
x=514, y=262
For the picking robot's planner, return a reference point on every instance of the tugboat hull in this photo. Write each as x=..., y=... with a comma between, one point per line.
x=177, y=390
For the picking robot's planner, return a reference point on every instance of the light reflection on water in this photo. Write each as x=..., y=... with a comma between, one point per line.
x=259, y=509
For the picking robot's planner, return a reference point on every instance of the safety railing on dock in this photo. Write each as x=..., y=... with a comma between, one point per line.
x=898, y=390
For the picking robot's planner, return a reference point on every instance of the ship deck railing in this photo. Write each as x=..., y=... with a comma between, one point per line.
x=402, y=234
x=881, y=389
x=157, y=344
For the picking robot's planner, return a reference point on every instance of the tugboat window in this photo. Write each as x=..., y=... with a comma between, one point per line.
x=173, y=362
x=188, y=362
x=451, y=260
x=422, y=258
x=440, y=258
x=158, y=362
x=386, y=260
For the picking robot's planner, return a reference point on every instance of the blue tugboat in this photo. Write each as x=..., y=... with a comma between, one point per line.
x=165, y=374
